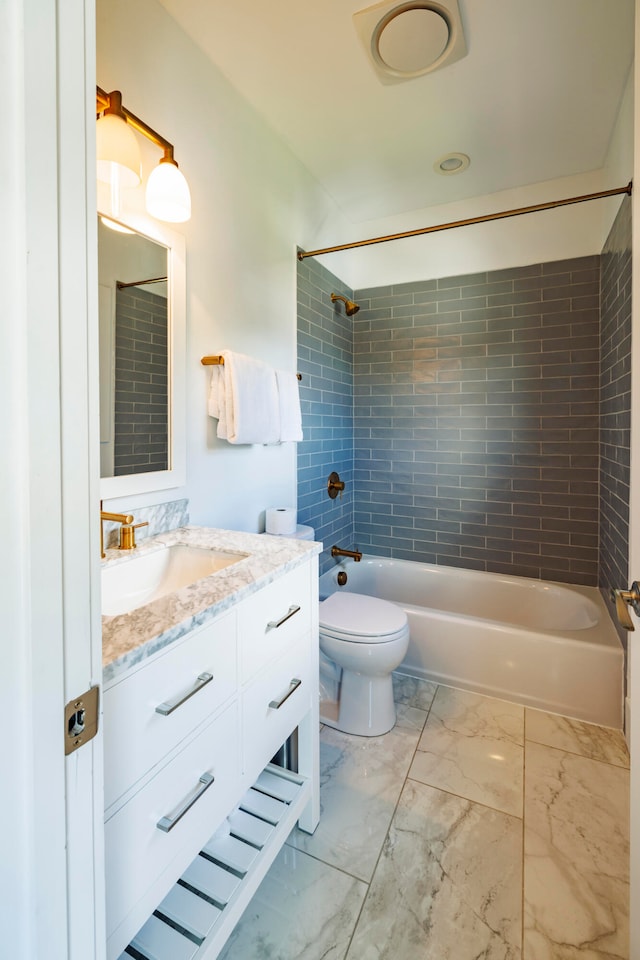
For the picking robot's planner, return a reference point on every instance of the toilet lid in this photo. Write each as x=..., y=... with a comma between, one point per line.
x=357, y=615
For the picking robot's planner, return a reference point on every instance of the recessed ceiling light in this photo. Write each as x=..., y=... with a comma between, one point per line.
x=451, y=163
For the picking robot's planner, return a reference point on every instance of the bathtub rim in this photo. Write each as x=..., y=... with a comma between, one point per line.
x=464, y=658
x=601, y=634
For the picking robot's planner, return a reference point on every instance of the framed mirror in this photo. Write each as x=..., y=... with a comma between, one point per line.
x=142, y=306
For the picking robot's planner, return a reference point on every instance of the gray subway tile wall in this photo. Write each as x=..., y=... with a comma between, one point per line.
x=476, y=416
x=325, y=360
x=476, y=420
x=615, y=404
x=141, y=396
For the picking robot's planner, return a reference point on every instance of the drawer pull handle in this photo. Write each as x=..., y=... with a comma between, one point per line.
x=274, y=624
x=276, y=704
x=166, y=824
x=170, y=705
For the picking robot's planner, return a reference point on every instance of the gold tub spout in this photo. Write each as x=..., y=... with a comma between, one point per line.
x=339, y=552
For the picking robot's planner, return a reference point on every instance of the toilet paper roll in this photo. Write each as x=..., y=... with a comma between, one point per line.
x=281, y=520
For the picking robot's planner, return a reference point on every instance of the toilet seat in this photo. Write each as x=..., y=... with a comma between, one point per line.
x=357, y=618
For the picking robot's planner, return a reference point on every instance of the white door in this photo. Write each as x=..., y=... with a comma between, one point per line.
x=51, y=865
x=634, y=526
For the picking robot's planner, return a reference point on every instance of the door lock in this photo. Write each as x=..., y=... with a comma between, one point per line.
x=624, y=599
x=80, y=720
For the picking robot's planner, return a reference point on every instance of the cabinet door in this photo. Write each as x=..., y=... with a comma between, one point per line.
x=274, y=704
x=272, y=619
x=154, y=708
x=144, y=852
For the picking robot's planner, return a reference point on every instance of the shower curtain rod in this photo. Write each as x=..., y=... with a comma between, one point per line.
x=121, y=285
x=518, y=211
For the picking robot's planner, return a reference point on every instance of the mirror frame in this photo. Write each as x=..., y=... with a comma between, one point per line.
x=176, y=476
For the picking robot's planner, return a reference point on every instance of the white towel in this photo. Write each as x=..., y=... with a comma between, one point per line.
x=215, y=388
x=289, y=405
x=251, y=401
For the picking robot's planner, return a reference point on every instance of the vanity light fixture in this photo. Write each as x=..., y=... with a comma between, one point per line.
x=117, y=151
x=167, y=193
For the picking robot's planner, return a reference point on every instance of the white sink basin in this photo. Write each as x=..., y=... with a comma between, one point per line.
x=144, y=578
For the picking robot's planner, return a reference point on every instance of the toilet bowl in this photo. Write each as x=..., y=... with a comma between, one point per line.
x=366, y=639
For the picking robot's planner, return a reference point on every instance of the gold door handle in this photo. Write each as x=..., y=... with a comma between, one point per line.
x=624, y=599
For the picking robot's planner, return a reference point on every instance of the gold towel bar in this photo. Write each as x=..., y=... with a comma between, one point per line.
x=216, y=361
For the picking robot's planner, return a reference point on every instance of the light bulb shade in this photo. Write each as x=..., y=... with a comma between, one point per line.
x=168, y=197
x=117, y=150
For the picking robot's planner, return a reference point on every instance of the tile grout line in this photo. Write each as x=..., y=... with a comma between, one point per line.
x=581, y=756
x=527, y=741
x=458, y=796
x=332, y=866
x=451, y=793
x=400, y=792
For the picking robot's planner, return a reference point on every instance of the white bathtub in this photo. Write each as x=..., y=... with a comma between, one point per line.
x=545, y=645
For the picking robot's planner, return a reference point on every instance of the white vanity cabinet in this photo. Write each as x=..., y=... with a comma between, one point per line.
x=163, y=699
x=275, y=667
x=189, y=734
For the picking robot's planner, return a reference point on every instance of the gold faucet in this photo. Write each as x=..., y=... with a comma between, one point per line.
x=339, y=552
x=128, y=534
x=117, y=518
x=127, y=530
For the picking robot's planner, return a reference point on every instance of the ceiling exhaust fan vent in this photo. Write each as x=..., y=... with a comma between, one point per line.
x=408, y=40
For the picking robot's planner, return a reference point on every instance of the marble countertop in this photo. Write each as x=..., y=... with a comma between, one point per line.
x=131, y=637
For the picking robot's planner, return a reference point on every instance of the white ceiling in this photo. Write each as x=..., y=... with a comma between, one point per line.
x=535, y=98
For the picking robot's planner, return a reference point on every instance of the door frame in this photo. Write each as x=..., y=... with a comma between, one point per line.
x=633, y=691
x=51, y=873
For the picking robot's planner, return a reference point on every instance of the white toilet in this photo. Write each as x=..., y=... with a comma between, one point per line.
x=362, y=641
x=365, y=638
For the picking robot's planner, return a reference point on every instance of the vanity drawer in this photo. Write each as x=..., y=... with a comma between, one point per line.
x=151, y=710
x=142, y=861
x=270, y=620
x=273, y=705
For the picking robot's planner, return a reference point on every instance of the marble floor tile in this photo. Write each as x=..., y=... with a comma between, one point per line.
x=447, y=886
x=360, y=782
x=574, y=736
x=414, y=692
x=303, y=910
x=576, y=868
x=472, y=715
x=409, y=717
x=472, y=746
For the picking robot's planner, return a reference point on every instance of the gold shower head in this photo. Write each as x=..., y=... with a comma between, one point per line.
x=349, y=306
